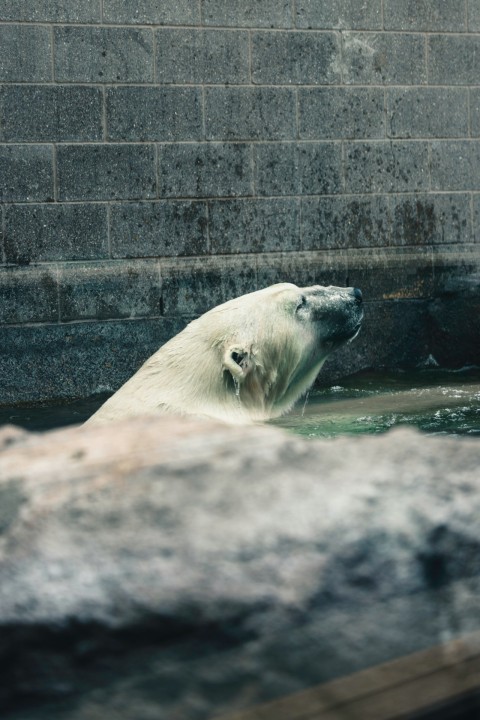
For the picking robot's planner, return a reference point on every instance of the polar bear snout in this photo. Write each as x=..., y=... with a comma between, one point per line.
x=356, y=310
x=357, y=294
x=338, y=314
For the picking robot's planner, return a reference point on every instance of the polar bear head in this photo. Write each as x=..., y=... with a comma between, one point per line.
x=246, y=360
x=283, y=336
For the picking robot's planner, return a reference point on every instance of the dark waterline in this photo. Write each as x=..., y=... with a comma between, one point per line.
x=435, y=401
x=47, y=416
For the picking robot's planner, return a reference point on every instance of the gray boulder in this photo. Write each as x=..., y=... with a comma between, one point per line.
x=174, y=568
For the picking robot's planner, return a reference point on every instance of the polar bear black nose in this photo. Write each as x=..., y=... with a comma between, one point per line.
x=357, y=295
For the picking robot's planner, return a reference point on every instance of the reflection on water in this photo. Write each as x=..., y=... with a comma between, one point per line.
x=436, y=401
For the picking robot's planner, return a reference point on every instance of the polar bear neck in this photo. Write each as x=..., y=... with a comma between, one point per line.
x=201, y=385
x=191, y=377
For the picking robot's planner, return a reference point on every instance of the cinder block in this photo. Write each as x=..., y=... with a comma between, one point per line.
x=103, y=55
x=106, y=172
x=26, y=173
x=454, y=59
x=158, y=229
x=2, y=235
x=115, y=289
x=473, y=16
x=248, y=13
x=45, y=233
x=455, y=165
x=397, y=166
x=276, y=168
x=320, y=168
x=254, y=226
x=151, y=12
x=205, y=170
x=345, y=222
x=454, y=325
x=51, y=11
x=153, y=113
x=202, y=56
x=427, y=112
x=192, y=287
x=384, y=58
x=302, y=268
x=287, y=58
x=403, y=326
x=431, y=219
x=197, y=285
x=339, y=14
x=78, y=359
x=250, y=113
x=28, y=295
x=25, y=54
x=297, y=168
x=341, y=113
x=391, y=273
x=39, y=113
x=476, y=218
x=239, y=275
x=475, y=111
x=425, y=15
x=456, y=273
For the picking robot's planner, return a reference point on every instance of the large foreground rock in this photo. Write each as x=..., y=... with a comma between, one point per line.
x=179, y=569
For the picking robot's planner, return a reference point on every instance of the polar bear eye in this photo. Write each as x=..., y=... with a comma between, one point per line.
x=302, y=303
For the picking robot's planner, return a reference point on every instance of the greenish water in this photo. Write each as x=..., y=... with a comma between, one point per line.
x=434, y=401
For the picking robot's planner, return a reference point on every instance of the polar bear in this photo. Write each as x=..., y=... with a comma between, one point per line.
x=244, y=361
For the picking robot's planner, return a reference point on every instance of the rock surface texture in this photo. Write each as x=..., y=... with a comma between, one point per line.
x=165, y=568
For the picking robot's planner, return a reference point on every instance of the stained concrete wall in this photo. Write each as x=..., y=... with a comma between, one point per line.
x=157, y=158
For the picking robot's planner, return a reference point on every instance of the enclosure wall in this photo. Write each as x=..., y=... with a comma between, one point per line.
x=157, y=158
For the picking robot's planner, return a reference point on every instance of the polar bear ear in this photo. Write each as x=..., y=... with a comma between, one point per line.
x=237, y=361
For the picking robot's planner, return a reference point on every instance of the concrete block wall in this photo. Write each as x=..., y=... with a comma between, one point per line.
x=157, y=158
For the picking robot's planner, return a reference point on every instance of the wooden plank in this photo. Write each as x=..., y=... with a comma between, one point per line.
x=392, y=690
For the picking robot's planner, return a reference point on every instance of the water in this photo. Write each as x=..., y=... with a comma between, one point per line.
x=47, y=416
x=434, y=401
